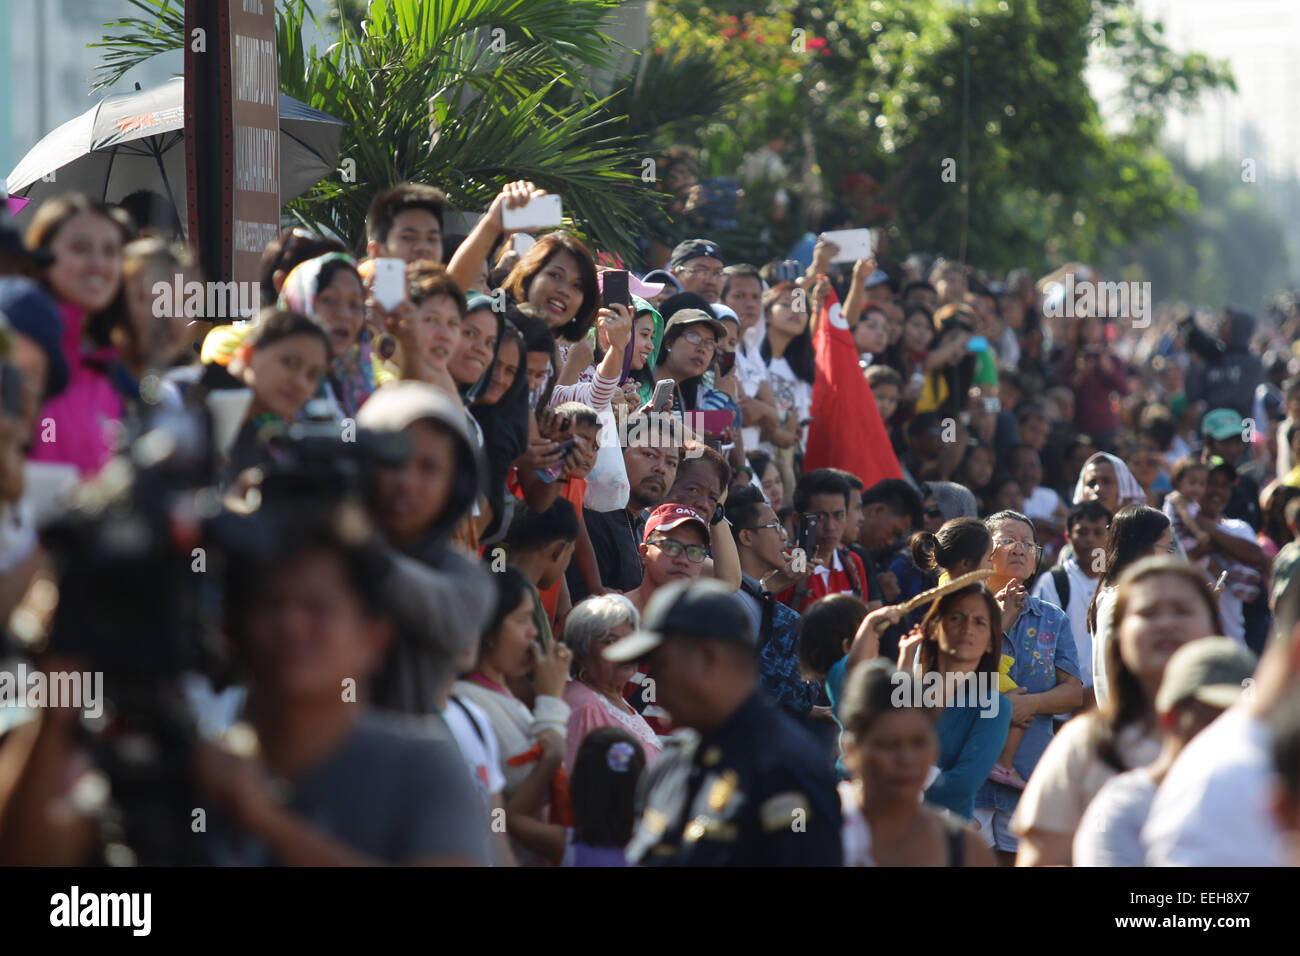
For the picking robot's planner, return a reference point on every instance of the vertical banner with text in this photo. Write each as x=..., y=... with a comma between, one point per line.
x=232, y=135
x=255, y=104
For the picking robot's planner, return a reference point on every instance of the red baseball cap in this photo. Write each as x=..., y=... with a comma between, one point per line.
x=669, y=516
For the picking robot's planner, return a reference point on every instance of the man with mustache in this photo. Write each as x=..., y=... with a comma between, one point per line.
x=650, y=458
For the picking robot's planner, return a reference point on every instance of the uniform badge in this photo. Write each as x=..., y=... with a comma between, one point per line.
x=721, y=791
x=711, y=757
x=656, y=821
x=781, y=811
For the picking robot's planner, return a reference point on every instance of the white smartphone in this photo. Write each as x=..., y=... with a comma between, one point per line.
x=537, y=213
x=390, y=282
x=854, y=244
x=662, y=399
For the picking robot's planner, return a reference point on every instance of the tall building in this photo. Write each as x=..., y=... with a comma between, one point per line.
x=46, y=69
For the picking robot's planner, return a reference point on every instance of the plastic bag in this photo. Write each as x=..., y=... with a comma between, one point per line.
x=607, y=485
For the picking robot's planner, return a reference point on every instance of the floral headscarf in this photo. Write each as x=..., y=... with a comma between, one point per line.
x=351, y=379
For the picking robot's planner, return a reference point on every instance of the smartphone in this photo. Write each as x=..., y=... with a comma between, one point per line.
x=613, y=288
x=389, y=284
x=726, y=361
x=808, y=534
x=854, y=244
x=550, y=474
x=788, y=271
x=539, y=212
x=662, y=399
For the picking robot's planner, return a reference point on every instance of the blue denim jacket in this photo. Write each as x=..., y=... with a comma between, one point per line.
x=1041, y=642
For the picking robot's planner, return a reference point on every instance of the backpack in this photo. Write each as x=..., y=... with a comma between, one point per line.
x=1062, y=581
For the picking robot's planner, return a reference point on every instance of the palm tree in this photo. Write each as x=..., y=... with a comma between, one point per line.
x=463, y=94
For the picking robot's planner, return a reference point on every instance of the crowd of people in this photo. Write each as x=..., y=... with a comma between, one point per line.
x=496, y=615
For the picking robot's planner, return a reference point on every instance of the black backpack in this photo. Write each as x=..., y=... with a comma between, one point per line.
x=1062, y=581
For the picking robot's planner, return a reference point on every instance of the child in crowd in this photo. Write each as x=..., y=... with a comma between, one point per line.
x=603, y=794
x=836, y=633
x=1181, y=506
x=283, y=358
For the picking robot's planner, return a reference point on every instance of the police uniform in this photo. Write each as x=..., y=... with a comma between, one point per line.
x=755, y=792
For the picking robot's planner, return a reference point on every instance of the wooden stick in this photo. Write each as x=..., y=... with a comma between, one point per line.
x=956, y=584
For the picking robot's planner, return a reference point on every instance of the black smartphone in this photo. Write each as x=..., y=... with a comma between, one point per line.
x=808, y=534
x=613, y=288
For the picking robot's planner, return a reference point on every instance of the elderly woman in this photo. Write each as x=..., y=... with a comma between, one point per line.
x=595, y=695
x=1041, y=672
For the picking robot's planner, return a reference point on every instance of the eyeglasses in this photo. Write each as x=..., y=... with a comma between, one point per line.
x=695, y=553
x=1006, y=544
x=933, y=513
x=761, y=527
x=707, y=273
x=699, y=338
x=828, y=515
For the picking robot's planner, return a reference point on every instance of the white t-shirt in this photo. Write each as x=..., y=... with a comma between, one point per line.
x=1230, y=605
x=1070, y=773
x=790, y=390
x=1100, y=639
x=1213, y=807
x=1108, y=833
x=478, y=745
x=1081, y=591
x=1042, y=503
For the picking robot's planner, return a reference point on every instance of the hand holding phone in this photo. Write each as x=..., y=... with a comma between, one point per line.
x=662, y=399
x=389, y=284
x=539, y=212
x=853, y=244
x=808, y=534
x=614, y=288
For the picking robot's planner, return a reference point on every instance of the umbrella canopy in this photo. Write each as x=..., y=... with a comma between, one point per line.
x=136, y=140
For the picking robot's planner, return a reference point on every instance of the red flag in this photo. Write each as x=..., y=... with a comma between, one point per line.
x=847, y=431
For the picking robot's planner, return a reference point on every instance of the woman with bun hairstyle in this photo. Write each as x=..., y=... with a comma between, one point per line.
x=960, y=546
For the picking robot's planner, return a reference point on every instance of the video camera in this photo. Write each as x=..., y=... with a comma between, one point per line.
x=144, y=555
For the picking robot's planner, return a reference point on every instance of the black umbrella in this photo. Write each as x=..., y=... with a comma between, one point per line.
x=133, y=141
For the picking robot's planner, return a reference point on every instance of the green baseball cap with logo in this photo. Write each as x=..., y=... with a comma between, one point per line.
x=1222, y=423
x=1212, y=670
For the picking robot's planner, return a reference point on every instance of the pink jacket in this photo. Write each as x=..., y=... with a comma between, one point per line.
x=78, y=426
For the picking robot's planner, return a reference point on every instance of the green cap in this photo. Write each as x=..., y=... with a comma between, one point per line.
x=1213, y=670
x=1222, y=423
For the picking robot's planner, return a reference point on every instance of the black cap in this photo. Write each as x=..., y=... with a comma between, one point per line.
x=705, y=609
x=694, y=249
x=31, y=311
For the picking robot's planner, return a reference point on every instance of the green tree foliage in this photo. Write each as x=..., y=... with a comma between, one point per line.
x=1233, y=250
x=464, y=94
x=993, y=91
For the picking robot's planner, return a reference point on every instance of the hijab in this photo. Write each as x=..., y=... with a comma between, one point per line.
x=351, y=379
x=1130, y=492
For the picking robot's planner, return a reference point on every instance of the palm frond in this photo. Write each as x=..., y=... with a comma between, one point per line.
x=161, y=29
